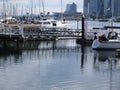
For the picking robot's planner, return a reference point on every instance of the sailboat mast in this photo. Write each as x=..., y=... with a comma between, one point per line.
x=4, y=10
x=112, y=8
x=39, y=8
x=43, y=7
x=61, y=10
x=31, y=8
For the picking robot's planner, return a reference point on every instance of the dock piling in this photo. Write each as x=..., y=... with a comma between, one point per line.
x=83, y=29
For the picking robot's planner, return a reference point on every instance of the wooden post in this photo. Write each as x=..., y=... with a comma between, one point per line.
x=82, y=55
x=82, y=40
x=83, y=28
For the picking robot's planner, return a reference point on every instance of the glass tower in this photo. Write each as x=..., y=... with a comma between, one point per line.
x=102, y=8
x=86, y=7
x=116, y=8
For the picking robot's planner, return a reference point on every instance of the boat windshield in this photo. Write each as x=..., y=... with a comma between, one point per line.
x=53, y=21
x=112, y=35
x=46, y=22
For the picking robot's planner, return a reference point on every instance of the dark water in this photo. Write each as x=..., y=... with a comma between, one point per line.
x=58, y=65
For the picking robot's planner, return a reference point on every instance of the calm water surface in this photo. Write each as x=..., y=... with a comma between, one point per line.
x=58, y=65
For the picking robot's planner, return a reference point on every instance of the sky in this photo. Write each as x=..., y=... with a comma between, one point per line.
x=49, y=5
x=56, y=6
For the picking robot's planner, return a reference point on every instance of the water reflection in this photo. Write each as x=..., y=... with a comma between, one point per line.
x=9, y=55
x=102, y=66
x=58, y=65
x=108, y=61
x=106, y=57
x=82, y=55
x=42, y=49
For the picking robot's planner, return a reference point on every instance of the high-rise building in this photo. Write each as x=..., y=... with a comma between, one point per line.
x=113, y=8
x=102, y=8
x=71, y=8
x=108, y=8
x=68, y=6
x=93, y=8
x=97, y=8
x=86, y=7
x=116, y=8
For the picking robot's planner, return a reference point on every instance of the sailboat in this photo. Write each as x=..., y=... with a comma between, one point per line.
x=111, y=40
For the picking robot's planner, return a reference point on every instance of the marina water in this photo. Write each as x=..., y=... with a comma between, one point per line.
x=58, y=65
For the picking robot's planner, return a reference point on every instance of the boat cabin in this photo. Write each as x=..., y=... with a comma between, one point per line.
x=109, y=32
x=112, y=35
x=48, y=23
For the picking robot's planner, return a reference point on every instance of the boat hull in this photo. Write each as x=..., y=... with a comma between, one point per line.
x=106, y=45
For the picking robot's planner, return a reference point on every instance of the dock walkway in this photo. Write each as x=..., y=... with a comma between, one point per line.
x=33, y=32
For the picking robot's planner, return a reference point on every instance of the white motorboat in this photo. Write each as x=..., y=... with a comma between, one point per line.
x=52, y=24
x=109, y=42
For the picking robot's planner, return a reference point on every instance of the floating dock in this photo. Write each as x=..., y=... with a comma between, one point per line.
x=33, y=32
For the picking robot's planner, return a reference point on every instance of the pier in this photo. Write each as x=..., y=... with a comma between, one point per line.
x=33, y=32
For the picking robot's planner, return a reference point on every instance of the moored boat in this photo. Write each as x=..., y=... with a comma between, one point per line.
x=110, y=41
x=53, y=25
x=109, y=45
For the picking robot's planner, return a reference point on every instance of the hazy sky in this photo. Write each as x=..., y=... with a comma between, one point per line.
x=49, y=5
x=55, y=4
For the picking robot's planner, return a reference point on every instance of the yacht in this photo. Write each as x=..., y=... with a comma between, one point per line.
x=51, y=24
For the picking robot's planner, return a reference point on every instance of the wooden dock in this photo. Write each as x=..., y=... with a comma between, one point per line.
x=33, y=32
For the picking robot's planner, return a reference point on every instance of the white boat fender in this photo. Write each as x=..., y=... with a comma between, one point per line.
x=95, y=43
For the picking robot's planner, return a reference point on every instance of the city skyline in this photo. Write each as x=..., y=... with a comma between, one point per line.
x=54, y=6
x=102, y=8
